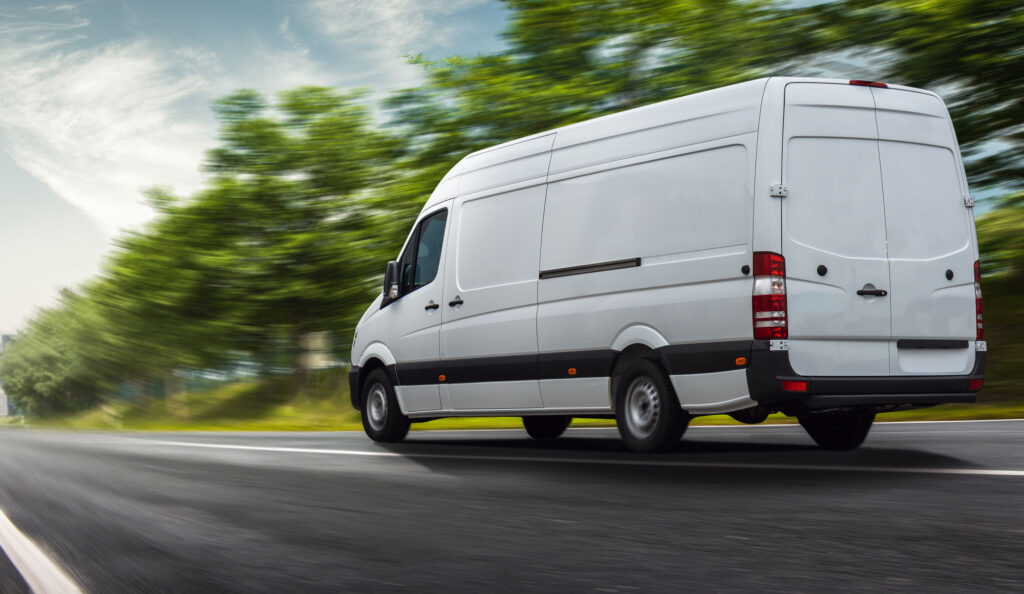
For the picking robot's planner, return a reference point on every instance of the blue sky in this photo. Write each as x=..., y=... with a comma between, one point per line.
x=100, y=99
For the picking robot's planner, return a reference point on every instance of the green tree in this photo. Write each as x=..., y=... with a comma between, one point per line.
x=282, y=242
x=570, y=60
x=1001, y=239
x=968, y=50
x=45, y=370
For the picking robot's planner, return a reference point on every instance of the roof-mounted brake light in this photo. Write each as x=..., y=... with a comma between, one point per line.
x=869, y=83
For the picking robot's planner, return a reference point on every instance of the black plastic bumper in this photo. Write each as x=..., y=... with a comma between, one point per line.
x=768, y=369
x=353, y=387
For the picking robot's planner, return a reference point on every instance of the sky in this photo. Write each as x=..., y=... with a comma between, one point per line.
x=101, y=99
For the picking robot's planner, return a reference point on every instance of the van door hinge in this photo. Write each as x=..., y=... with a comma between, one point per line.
x=779, y=191
x=968, y=201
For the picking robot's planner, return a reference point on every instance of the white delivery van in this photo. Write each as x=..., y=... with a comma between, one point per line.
x=786, y=244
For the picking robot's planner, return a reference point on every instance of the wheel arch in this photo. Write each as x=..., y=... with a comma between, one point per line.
x=375, y=356
x=629, y=355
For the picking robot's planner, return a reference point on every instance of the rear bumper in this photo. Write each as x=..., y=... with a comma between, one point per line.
x=768, y=369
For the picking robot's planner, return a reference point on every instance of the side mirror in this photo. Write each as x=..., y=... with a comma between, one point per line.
x=390, y=283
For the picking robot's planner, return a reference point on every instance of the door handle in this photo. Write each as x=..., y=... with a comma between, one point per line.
x=431, y=306
x=873, y=292
x=457, y=301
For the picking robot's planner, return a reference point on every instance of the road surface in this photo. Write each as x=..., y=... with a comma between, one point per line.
x=920, y=507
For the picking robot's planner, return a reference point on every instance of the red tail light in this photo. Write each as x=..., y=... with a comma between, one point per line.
x=769, y=298
x=791, y=386
x=977, y=299
x=975, y=385
x=869, y=83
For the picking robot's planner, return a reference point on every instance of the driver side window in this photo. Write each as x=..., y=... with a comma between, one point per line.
x=422, y=258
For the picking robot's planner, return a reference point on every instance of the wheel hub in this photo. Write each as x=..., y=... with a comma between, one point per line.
x=377, y=406
x=643, y=406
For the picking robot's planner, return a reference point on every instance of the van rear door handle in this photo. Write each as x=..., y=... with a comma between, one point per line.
x=457, y=301
x=873, y=292
x=431, y=306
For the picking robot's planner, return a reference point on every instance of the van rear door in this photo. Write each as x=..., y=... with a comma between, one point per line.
x=929, y=233
x=876, y=203
x=833, y=232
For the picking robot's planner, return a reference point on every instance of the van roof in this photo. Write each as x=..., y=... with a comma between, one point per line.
x=733, y=99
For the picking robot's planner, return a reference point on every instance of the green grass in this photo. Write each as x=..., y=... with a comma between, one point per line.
x=258, y=405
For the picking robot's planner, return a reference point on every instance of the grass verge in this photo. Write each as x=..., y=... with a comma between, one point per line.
x=266, y=406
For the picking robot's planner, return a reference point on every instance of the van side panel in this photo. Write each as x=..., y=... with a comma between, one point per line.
x=683, y=217
x=489, y=308
x=676, y=205
x=687, y=121
x=506, y=165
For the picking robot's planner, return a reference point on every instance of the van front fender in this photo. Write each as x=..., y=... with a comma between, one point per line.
x=375, y=351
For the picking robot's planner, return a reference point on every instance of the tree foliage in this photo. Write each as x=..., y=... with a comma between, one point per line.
x=1001, y=239
x=571, y=60
x=969, y=50
x=46, y=371
x=281, y=243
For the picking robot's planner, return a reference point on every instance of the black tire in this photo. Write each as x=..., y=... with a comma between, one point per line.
x=752, y=415
x=838, y=431
x=647, y=410
x=546, y=427
x=382, y=418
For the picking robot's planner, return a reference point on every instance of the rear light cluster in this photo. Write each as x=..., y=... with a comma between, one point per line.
x=769, y=298
x=977, y=299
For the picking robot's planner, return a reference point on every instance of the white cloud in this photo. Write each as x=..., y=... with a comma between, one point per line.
x=386, y=30
x=54, y=7
x=99, y=123
x=100, y=119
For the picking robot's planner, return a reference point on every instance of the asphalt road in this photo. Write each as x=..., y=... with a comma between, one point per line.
x=920, y=507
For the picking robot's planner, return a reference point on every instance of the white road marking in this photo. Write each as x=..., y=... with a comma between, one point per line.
x=39, y=571
x=603, y=461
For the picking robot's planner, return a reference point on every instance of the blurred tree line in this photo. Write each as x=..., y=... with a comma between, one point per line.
x=309, y=195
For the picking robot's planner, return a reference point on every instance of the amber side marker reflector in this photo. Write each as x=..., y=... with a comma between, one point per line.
x=869, y=83
x=791, y=386
x=572, y=371
x=975, y=384
x=441, y=378
x=741, y=361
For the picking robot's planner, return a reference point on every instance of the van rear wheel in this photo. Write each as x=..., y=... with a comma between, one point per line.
x=382, y=418
x=838, y=431
x=546, y=427
x=647, y=411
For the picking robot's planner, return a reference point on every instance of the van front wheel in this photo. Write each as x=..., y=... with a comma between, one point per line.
x=546, y=427
x=838, y=431
x=382, y=418
x=647, y=411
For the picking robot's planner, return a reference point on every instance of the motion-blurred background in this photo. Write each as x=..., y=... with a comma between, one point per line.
x=231, y=301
